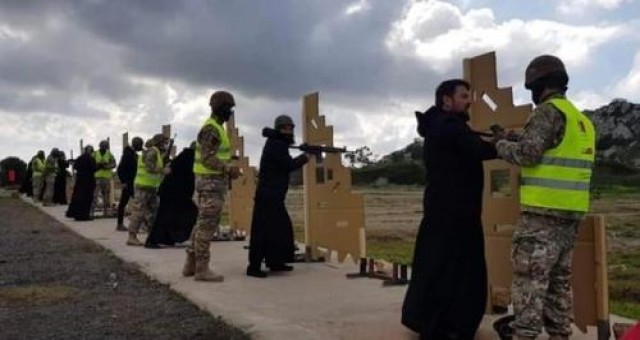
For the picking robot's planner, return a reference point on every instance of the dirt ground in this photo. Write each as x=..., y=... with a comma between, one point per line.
x=393, y=213
x=57, y=285
x=392, y=217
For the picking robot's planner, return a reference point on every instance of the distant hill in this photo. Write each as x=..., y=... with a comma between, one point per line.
x=618, y=128
x=617, y=158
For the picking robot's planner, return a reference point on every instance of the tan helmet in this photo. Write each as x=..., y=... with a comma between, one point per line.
x=157, y=140
x=221, y=98
x=542, y=66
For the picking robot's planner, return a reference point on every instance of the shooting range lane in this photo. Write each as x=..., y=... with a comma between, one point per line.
x=315, y=301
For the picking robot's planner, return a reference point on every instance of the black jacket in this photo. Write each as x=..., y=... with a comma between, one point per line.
x=128, y=166
x=447, y=292
x=453, y=156
x=275, y=165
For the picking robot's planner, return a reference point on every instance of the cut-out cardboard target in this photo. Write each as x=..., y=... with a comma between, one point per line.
x=494, y=105
x=243, y=188
x=334, y=215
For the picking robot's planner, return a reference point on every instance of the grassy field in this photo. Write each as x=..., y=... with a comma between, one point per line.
x=393, y=216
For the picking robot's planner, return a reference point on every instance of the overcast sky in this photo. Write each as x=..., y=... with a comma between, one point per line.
x=94, y=69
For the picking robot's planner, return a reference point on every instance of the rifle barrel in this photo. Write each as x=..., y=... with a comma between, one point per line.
x=329, y=149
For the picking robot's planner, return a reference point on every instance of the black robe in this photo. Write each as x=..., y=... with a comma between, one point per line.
x=177, y=213
x=448, y=288
x=27, y=182
x=60, y=186
x=85, y=184
x=271, y=227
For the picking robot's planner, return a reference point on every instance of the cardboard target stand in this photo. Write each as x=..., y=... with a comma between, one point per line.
x=243, y=188
x=492, y=105
x=333, y=215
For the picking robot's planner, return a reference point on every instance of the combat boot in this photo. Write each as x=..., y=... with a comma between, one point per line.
x=133, y=240
x=203, y=273
x=189, y=268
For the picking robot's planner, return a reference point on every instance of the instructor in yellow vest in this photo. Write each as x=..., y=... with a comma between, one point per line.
x=37, y=166
x=105, y=162
x=149, y=174
x=556, y=153
x=213, y=169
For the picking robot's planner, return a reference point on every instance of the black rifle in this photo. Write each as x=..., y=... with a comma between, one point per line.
x=167, y=153
x=318, y=150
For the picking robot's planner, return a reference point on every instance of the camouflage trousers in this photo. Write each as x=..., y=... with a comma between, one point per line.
x=50, y=182
x=541, y=288
x=211, y=193
x=103, y=188
x=36, y=182
x=143, y=208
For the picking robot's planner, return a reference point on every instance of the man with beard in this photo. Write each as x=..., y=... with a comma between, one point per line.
x=148, y=178
x=177, y=214
x=84, y=186
x=60, y=185
x=37, y=168
x=105, y=162
x=50, y=172
x=127, y=174
x=271, y=227
x=213, y=170
x=447, y=294
x=556, y=154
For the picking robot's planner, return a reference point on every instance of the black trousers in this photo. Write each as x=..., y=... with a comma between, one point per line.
x=127, y=193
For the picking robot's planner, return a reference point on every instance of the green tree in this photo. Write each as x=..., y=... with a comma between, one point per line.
x=360, y=157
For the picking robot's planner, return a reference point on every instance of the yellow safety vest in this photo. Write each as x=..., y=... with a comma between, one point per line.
x=37, y=167
x=144, y=178
x=223, y=153
x=562, y=179
x=106, y=158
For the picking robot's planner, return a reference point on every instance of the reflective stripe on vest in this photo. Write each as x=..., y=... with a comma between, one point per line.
x=145, y=178
x=106, y=158
x=223, y=153
x=37, y=167
x=562, y=179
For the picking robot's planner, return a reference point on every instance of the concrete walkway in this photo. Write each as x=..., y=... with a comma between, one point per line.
x=315, y=301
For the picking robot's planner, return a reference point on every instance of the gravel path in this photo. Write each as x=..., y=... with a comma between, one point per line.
x=56, y=285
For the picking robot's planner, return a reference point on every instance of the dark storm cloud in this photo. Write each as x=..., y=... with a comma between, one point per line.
x=280, y=49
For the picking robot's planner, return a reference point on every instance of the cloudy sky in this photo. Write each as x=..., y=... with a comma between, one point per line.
x=95, y=68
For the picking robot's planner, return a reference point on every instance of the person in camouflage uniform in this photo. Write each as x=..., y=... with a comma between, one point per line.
x=213, y=169
x=148, y=177
x=105, y=163
x=49, y=175
x=37, y=166
x=554, y=196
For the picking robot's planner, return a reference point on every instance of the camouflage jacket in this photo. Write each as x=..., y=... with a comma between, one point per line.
x=544, y=130
x=150, y=158
x=209, y=141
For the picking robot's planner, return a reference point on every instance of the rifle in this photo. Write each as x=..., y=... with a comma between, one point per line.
x=318, y=150
x=167, y=153
x=497, y=129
